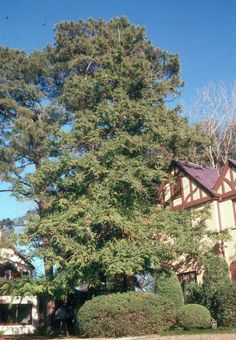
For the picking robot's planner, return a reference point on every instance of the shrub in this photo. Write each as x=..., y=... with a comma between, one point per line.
x=224, y=305
x=168, y=286
x=215, y=275
x=193, y=293
x=127, y=314
x=193, y=316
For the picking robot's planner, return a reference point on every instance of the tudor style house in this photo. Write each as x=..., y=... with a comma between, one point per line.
x=194, y=186
x=18, y=315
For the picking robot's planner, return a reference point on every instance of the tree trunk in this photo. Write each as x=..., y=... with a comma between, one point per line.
x=46, y=315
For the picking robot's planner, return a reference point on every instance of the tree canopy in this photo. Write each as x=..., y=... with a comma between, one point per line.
x=89, y=115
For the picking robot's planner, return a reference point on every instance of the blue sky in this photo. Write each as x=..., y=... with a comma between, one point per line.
x=202, y=32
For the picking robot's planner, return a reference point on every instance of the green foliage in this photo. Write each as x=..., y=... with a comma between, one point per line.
x=24, y=286
x=193, y=316
x=215, y=275
x=28, y=126
x=193, y=293
x=168, y=286
x=126, y=314
x=87, y=136
x=203, y=331
x=224, y=305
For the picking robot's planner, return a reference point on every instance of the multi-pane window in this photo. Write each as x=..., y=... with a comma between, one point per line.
x=15, y=314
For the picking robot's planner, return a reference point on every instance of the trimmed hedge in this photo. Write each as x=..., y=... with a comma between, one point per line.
x=168, y=286
x=193, y=316
x=224, y=305
x=127, y=314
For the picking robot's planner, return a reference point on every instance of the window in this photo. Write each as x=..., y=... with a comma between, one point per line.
x=185, y=278
x=15, y=314
x=25, y=273
x=9, y=272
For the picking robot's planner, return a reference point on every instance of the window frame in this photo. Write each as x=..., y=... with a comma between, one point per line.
x=15, y=313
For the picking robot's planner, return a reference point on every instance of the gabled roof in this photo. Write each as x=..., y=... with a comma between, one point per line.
x=29, y=264
x=228, y=164
x=203, y=175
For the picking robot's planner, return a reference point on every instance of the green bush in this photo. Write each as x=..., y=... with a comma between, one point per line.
x=215, y=275
x=193, y=293
x=224, y=305
x=127, y=314
x=168, y=286
x=193, y=316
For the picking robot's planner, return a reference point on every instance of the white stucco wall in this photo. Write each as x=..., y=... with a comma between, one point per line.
x=21, y=329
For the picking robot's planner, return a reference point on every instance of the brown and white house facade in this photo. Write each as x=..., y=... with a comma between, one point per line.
x=18, y=315
x=194, y=186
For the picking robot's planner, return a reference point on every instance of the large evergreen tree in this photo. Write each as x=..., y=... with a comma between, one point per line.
x=96, y=182
x=101, y=217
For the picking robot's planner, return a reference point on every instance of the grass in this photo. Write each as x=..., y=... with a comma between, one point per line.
x=178, y=331
x=219, y=330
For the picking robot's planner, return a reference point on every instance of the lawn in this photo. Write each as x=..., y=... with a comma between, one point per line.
x=219, y=330
x=169, y=334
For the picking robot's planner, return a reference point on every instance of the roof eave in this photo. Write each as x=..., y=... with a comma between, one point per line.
x=211, y=192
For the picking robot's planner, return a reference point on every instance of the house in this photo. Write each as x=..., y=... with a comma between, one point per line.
x=18, y=315
x=194, y=186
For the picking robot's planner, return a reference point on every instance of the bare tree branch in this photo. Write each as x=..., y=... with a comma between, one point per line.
x=214, y=110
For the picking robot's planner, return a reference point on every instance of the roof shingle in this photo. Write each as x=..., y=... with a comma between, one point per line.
x=206, y=176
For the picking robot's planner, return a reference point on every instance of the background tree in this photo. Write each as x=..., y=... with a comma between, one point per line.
x=29, y=122
x=213, y=110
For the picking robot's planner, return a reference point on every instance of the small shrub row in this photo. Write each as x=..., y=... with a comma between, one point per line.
x=141, y=313
x=136, y=313
x=133, y=314
x=217, y=293
x=188, y=316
